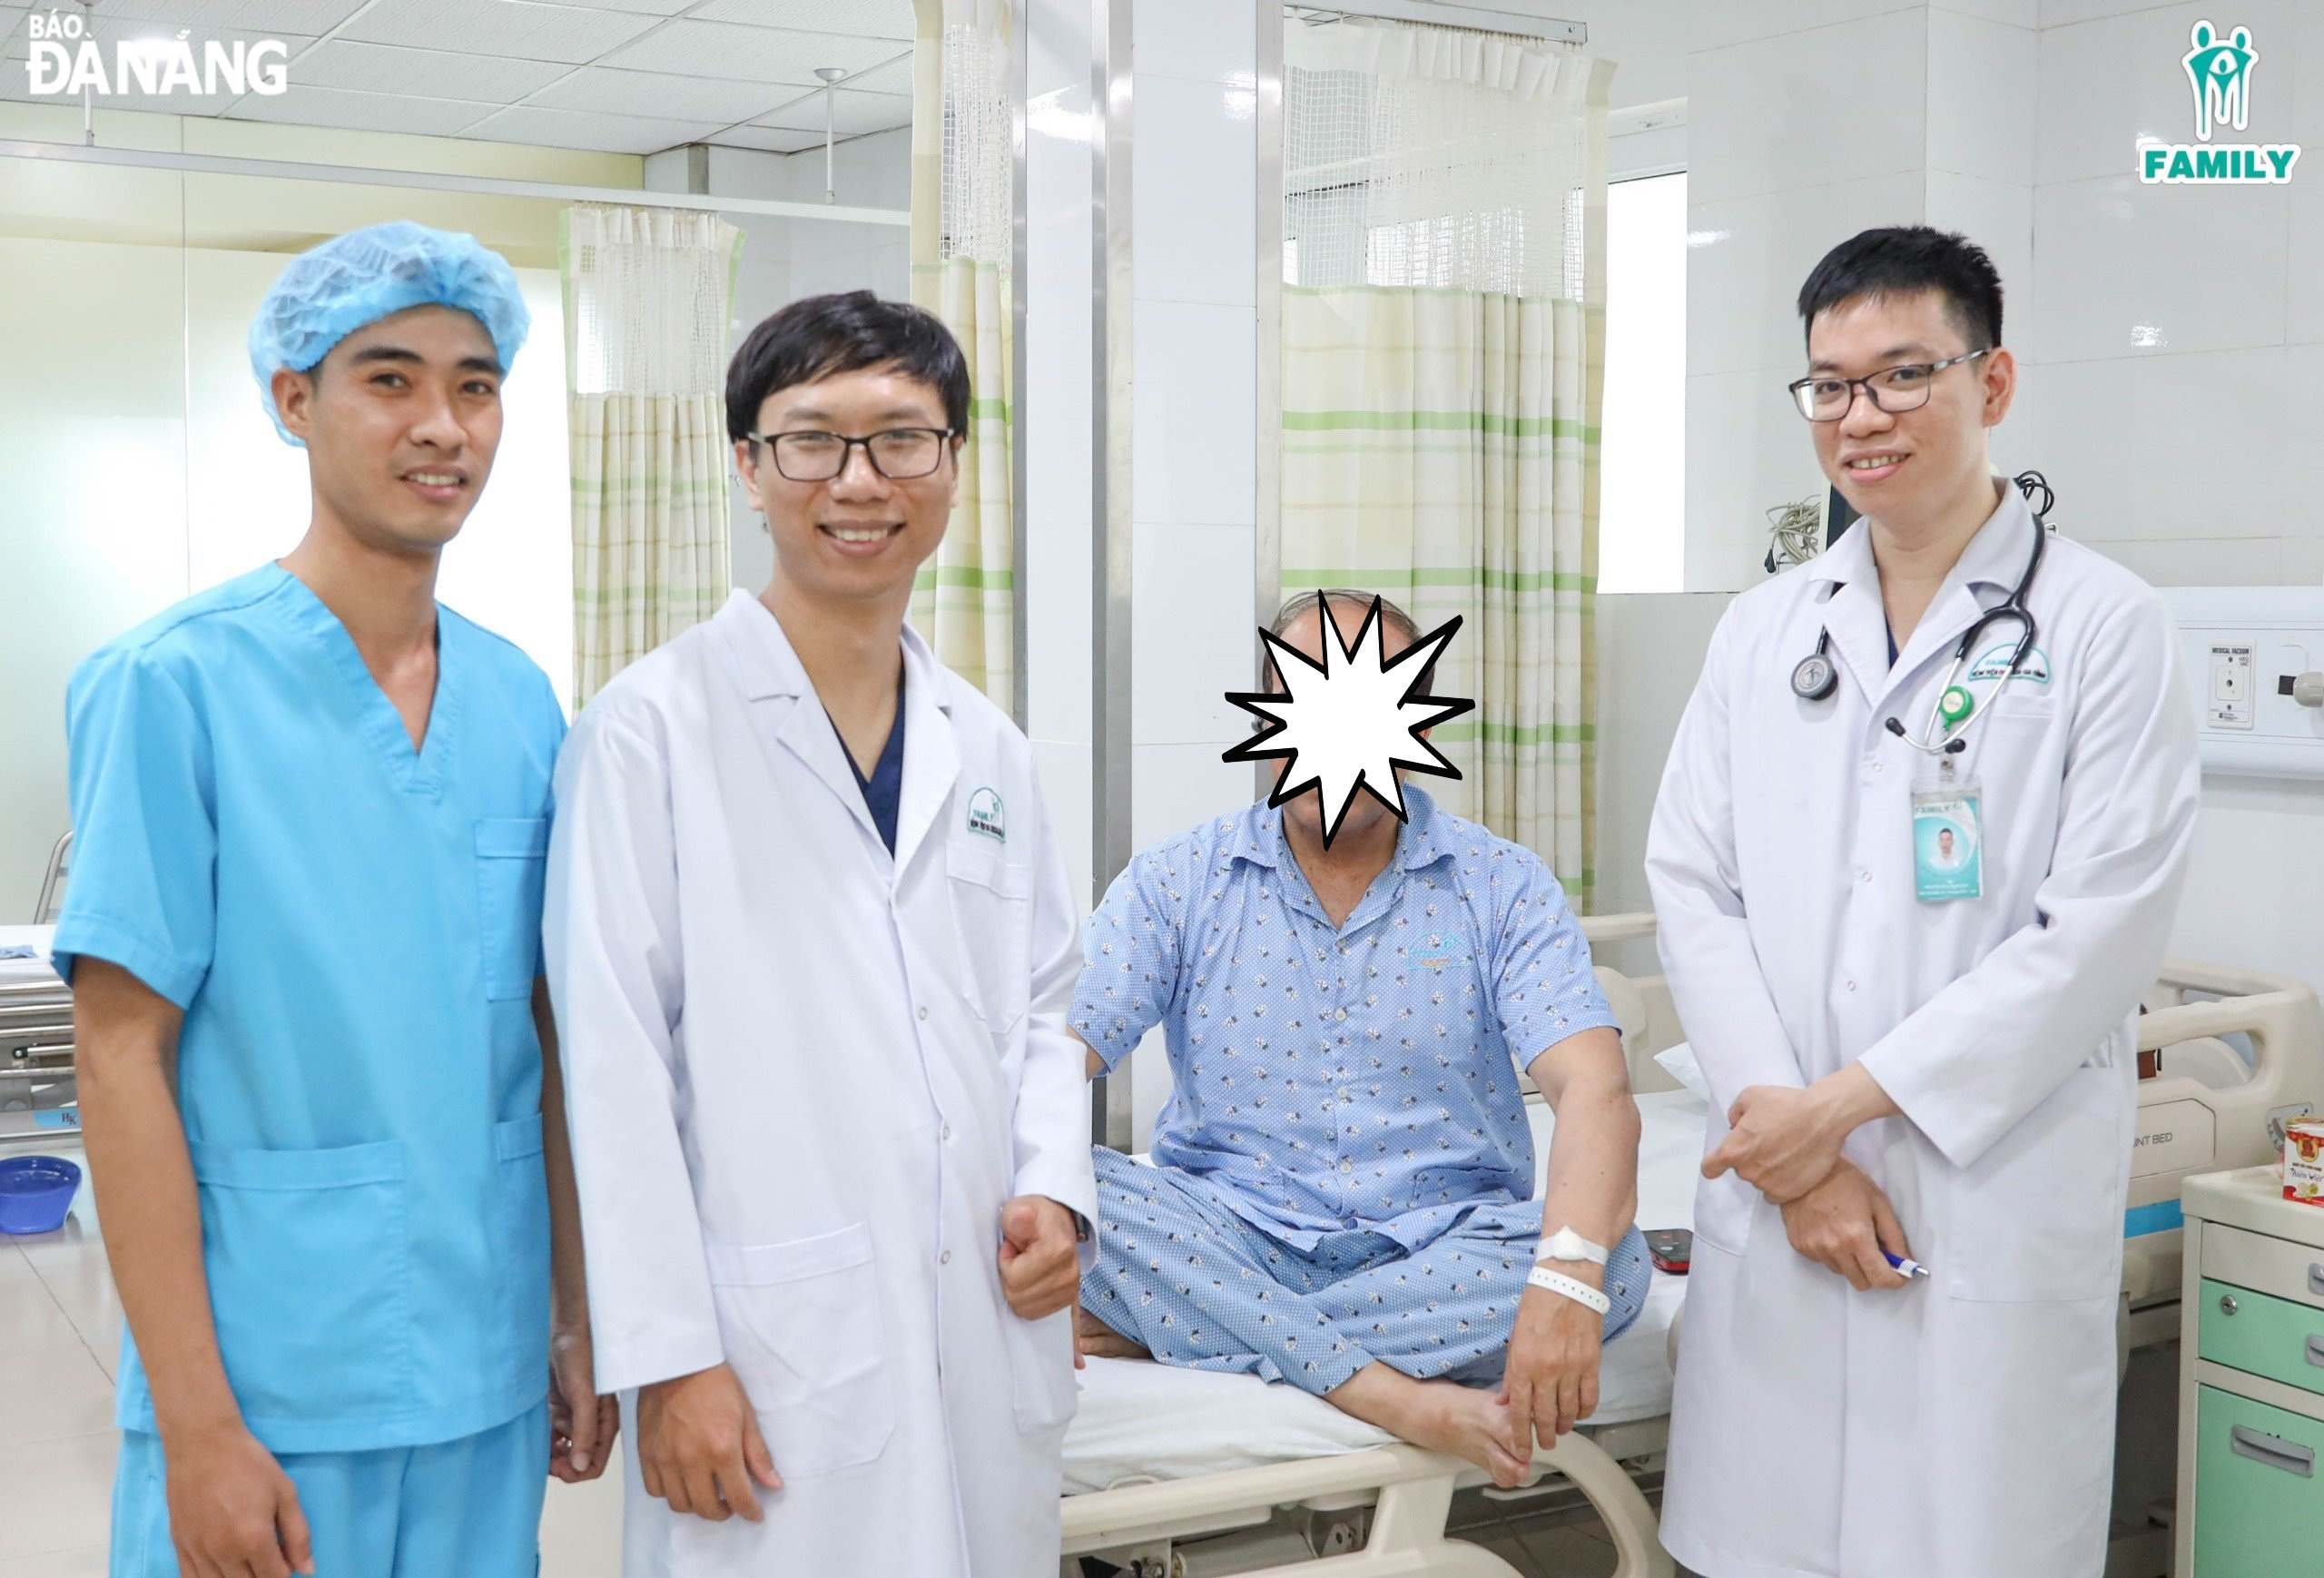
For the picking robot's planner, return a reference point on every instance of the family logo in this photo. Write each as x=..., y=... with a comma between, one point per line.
x=2218, y=70
x=1995, y=664
x=65, y=60
x=984, y=815
x=1436, y=951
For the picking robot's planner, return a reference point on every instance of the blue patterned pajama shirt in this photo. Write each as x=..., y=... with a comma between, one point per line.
x=1343, y=1169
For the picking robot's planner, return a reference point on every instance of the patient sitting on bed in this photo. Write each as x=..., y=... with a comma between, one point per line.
x=1340, y=1194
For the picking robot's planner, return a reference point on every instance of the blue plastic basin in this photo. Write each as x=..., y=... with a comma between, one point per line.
x=36, y=1193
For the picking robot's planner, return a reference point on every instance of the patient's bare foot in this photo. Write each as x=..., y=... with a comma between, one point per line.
x=1462, y=1420
x=1097, y=1340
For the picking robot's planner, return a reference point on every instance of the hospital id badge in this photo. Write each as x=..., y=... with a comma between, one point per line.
x=1948, y=854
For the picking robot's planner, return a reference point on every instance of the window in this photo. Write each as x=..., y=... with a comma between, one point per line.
x=1642, y=476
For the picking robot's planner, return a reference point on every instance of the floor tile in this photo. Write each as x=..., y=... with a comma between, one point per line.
x=30, y=1317
x=1568, y=1552
x=82, y=1562
x=59, y=1498
x=51, y=1392
x=580, y=1527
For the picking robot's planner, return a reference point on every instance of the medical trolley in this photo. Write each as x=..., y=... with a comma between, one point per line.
x=2250, y=1379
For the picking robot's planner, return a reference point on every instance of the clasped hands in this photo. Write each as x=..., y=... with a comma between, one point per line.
x=1786, y=1143
x=699, y=1446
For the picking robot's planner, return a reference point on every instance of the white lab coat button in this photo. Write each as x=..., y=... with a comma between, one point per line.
x=1848, y=985
x=924, y=1010
x=945, y=1133
x=1876, y=767
x=1863, y=873
x=945, y=1258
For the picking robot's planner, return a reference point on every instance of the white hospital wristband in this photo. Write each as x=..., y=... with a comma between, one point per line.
x=1579, y=1292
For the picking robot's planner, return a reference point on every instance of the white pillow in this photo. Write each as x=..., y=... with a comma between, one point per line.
x=1678, y=1062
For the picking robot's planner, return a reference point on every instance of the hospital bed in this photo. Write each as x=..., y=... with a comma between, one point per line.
x=1180, y=1473
x=36, y=1091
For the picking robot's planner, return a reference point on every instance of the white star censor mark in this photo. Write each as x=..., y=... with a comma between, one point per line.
x=1351, y=721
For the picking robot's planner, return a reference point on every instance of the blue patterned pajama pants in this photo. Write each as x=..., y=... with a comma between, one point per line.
x=1181, y=1274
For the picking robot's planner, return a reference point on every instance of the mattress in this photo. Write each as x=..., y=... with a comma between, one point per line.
x=34, y=970
x=1141, y=1421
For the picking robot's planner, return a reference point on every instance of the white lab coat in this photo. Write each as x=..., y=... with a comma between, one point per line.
x=803, y=1079
x=1962, y=1428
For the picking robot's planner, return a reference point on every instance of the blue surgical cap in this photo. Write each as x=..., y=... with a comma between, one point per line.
x=366, y=275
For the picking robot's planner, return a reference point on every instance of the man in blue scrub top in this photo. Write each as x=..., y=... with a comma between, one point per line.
x=310, y=811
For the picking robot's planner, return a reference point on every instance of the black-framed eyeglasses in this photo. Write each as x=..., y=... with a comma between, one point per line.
x=1827, y=398
x=898, y=454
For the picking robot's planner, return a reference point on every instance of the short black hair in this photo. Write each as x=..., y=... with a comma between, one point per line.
x=1905, y=260
x=818, y=337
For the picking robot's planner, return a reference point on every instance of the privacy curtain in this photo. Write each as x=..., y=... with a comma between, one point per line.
x=647, y=295
x=962, y=245
x=1442, y=343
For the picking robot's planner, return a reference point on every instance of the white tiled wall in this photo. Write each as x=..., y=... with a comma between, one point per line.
x=1193, y=487
x=1193, y=192
x=1056, y=419
x=1794, y=144
x=2165, y=333
x=2175, y=326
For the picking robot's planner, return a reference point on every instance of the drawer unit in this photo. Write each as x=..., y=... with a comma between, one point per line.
x=2251, y=1381
x=2262, y=1334
x=2256, y=1483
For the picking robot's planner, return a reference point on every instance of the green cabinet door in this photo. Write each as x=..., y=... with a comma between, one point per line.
x=2259, y=1489
x=2266, y=1336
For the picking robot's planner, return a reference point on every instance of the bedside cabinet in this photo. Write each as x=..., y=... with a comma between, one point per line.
x=2251, y=1380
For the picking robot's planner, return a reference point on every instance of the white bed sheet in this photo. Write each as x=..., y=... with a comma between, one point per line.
x=35, y=971
x=1141, y=1422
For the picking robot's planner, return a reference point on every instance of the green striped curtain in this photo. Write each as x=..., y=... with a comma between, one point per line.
x=964, y=239
x=647, y=295
x=1440, y=446
x=963, y=601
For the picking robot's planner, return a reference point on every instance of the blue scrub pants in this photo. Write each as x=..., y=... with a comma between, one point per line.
x=470, y=1507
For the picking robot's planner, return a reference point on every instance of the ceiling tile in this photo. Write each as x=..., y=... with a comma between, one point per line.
x=642, y=7
x=853, y=114
x=894, y=77
x=574, y=129
x=361, y=112
x=768, y=139
x=649, y=93
x=522, y=29
x=772, y=54
x=853, y=19
x=439, y=73
x=275, y=18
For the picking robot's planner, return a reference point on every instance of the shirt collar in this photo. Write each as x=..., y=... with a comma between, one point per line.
x=1995, y=556
x=1420, y=843
x=770, y=666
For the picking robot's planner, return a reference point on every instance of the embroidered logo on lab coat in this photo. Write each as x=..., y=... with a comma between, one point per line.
x=985, y=815
x=1436, y=951
x=1995, y=662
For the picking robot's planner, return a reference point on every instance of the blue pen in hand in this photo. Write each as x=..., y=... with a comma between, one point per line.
x=1907, y=1268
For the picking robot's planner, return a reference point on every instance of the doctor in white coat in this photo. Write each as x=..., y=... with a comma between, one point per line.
x=810, y=945
x=1922, y=1057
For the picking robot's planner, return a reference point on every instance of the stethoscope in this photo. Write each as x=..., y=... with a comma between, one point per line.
x=1956, y=709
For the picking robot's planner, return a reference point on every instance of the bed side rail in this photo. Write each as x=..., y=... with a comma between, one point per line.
x=1415, y=1493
